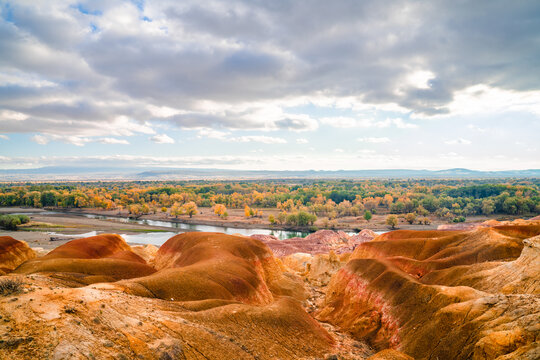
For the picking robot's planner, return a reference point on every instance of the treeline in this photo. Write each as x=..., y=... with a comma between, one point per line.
x=331, y=199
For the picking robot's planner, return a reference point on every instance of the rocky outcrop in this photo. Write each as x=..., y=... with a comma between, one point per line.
x=49, y=321
x=442, y=294
x=13, y=253
x=101, y=258
x=315, y=269
x=390, y=354
x=320, y=242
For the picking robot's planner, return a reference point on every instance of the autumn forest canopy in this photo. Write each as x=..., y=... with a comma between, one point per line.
x=335, y=198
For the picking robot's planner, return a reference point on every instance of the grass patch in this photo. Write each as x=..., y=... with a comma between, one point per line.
x=10, y=286
x=42, y=225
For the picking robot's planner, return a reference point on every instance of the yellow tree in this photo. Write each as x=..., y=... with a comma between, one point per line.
x=410, y=218
x=190, y=208
x=392, y=221
x=219, y=209
x=176, y=210
x=247, y=211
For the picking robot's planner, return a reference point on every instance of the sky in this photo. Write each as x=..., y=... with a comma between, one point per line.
x=277, y=85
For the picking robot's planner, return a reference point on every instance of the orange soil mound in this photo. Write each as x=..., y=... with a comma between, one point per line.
x=390, y=354
x=13, y=253
x=51, y=322
x=199, y=266
x=406, y=290
x=101, y=258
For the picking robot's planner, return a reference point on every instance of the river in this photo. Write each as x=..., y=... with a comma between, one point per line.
x=158, y=238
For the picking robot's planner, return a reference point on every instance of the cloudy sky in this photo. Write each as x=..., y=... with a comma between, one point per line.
x=318, y=84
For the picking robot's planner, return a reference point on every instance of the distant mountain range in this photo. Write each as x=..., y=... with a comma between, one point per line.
x=58, y=173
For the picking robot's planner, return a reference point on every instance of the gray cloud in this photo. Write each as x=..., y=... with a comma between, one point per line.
x=239, y=51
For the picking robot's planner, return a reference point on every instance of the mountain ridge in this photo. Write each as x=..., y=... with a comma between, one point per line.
x=153, y=173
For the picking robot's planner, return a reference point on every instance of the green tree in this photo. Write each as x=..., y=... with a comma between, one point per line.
x=282, y=217
x=367, y=215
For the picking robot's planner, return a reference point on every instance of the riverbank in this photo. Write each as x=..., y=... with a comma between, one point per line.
x=236, y=219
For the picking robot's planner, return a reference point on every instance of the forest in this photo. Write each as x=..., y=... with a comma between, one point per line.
x=452, y=200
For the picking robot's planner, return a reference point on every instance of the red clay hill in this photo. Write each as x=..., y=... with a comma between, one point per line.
x=13, y=253
x=198, y=266
x=102, y=258
x=443, y=294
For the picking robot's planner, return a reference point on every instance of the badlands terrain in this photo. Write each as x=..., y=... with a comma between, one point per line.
x=406, y=294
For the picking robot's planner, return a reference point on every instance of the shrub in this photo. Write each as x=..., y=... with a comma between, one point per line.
x=410, y=218
x=292, y=219
x=10, y=286
x=368, y=215
x=9, y=222
x=23, y=218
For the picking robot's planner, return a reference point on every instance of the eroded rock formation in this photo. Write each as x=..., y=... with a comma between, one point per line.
x=13, y=253
x=443, y=294
x=232, y=300
x=320, y=242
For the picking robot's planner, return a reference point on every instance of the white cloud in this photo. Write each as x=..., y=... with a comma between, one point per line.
x=302, y=141
x=400, y=124
x=12, y=115
x=346, y=122
x=339, y=150
x=44, y=139
x=40, y=139
x=227, y=136
x=460, y=141
x=260, y=139
x=5, y=137
x=420, y=79
x=476, y=128
x=162, y=139
x=113, y=141
x=374, y=140
x=213, y=134
x=366, y=151
x=484, y=99
x=349, y=122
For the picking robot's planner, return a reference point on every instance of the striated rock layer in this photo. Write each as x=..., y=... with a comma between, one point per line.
x=13, y=253
x=443, y=294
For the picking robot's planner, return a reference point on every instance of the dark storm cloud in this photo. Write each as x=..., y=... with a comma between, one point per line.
x=177, y=54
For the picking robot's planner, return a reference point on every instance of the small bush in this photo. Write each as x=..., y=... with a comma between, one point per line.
x=69, y=310
x=23, y=219
x=10, y=286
